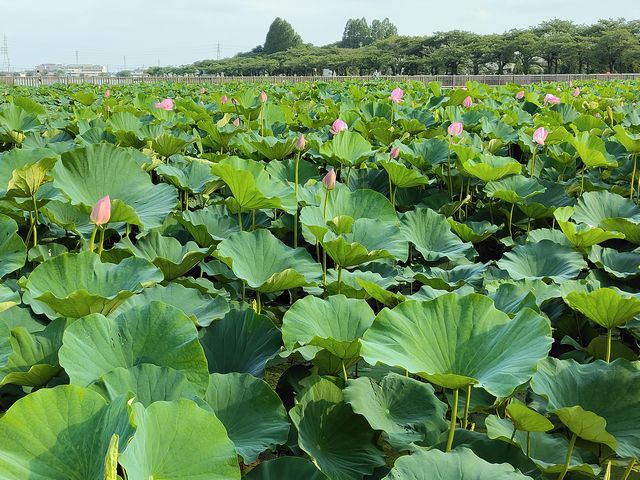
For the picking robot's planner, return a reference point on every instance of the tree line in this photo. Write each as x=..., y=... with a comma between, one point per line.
x=555, y=46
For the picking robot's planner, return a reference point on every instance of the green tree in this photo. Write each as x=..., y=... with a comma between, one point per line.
x=381, y=29
x=357, y=33
x=280, y=37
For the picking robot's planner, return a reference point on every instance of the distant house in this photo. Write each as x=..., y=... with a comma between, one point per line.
x=73, y=70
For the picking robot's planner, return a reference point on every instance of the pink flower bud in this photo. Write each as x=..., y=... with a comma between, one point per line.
x=551, y=99
x=166, y=104
x=540, y=135
x=107, y=93
x=468, y=102
x=395, y=152
x=263, y=96
x=455, y=129
x=203, y=91
x=101, y=212
x=234, y=101
x=301, y=142
x=236, y=122
x=576, y=92
x=338, y=126
x=520, y=95
x=329, y=180
x=396, y=95
x=223, y=99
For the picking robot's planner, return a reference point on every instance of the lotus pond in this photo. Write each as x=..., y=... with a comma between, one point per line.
x=322, y=281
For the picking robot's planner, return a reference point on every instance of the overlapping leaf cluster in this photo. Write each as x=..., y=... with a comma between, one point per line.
x=456, y=307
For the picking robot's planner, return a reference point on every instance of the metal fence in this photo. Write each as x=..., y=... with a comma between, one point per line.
x=445, y=80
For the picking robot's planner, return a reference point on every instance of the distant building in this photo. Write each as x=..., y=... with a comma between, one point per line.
x=73, y=70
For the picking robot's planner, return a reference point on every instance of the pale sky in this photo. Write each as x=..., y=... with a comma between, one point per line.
x=178, y=32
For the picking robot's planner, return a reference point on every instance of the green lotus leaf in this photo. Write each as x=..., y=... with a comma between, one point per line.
x=406, y=410
x=194, y=177
x=252, y=187
x=425, y=152
x=24, y=171
x=13, y=250
x=285, y=171
x=214, y=223
x=61, y=433
x=473, y=232
x=340, y=441
x=362, y=203
x=201, y=308
x=273, y=148
x=581, y=235
x=95, y=345
x=539, y=234
x=512, y=298
x=402, y=176
x=251, y=412
x=544, y=204
x=242, y=342
x=267, y=264
x=147, y=383
x=514, y=189
x=127, y=128
x=379, y=293
x=335, y=324
x=347, y=148
x=368, y=240
x=611, y=212
x=630, y=141
x=542, y=260
x=598, y=401
x=8, y=298
x=29, y=358
x=527, y=419
x=87, y=174
x=77, y=284
x=489, y=167
x=619, y=265
x=460, y=463
x=592, y=151
x=607, y=307
x=166, y=253
x=454, y=341
x=431, y=234
x=467, y=273
x=286, y=468
x=181, y=441
x=15, y=120
x=167, y=144
x=549, y=452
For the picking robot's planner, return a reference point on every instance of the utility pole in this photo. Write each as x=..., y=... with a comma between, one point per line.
x=124, y=59
x=218, y=52
x=6, y=63
x=77, y=57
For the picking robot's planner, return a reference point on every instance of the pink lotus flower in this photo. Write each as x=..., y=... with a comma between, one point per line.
x=263, y=96
x=520, y=95
x=203, y=91
x=101, y=212
x=223, y=99
x=551, y=99
x=107, y=93
x=329, y=180
x=455, y=129
x=396, y=95
x=166, y=104
x=395, y=152
x=576, y=92
x=338, y=126
x=236, y=122
x=467, y=102
x=540, y=135
x=234, y=101
x=301, y=142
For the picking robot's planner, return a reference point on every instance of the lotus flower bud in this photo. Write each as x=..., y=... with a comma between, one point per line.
x=520, y=95
x=396, y=95
x=236, y=122
x=455, y=129
x=301, y=142
x=107, y=93
x=101, y=212
x=338, y=126
x=166, y=104
x=263, y=96
x=223, y=99
x=329, y=180
x=203, y=91
x=576, y=92
x=395, y=152
x=551, y=99
x=540, y=135
x=234, y=101
x=468, y=102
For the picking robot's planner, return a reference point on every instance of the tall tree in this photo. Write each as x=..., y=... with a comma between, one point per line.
x=381, y=29
x=280, y=37
x=357, y=33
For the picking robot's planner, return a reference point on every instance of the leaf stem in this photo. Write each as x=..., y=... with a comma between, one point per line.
x=466, y=407
x=339, y=278
x=608, y=356
x=567, y=460
x=258, y=303
x=454, y=417
x=239, y=220
x=344, y=372
x=629, y=469
x=633, y=176
x=295, y=218
x=100, y=247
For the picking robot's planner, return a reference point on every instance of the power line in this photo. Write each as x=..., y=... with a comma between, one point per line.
x=6, y=63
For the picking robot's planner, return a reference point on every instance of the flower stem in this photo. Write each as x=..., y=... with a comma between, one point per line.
x=339, y=278
x=295, y=218
x=608, y=356
x=344, y=372
x=101, y=241
x=633, y=176
x=92, y=241
x=240, y=220
x=511, y=219
x=466, y=407
x=567, y=461
x=258, y=303
x=454, y=417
